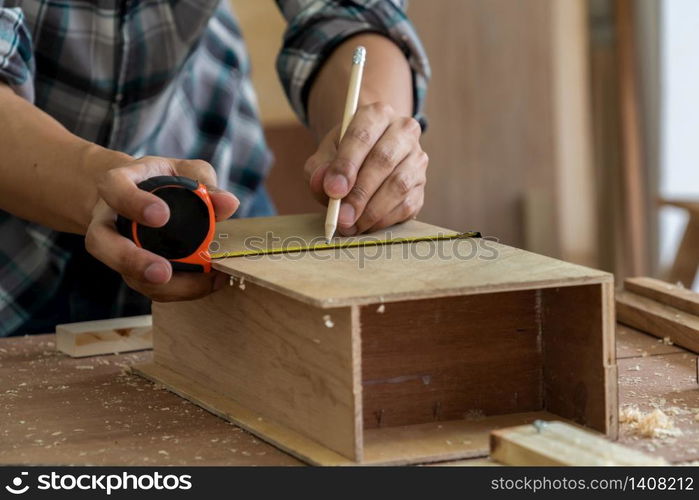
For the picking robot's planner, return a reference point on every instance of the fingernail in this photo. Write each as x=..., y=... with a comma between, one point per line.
x=156, y=214
x=220, y=280
x=346, y=215
x=336, y=185
x=157, y=273
x=350, y=231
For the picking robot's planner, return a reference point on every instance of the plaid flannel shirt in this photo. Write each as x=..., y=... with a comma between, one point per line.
x=159, y=77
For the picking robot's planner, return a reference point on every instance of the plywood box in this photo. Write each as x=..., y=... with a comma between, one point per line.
x=403, y=353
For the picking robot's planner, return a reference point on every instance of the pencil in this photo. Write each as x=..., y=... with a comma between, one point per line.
x=355, y=83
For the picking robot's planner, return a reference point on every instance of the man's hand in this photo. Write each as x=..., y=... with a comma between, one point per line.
x=142, y=270
x=378, y=170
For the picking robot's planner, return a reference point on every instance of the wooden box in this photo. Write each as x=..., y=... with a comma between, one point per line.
x=412, y=355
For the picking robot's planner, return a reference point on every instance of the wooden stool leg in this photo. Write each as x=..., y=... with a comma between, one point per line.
x=684, y=269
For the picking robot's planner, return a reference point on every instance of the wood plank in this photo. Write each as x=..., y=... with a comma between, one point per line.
x=666, y=293
x=580, y=373
x=58, y=410
x=658, y=319
x=263, y=235
x=400, y=272
x=439, y=441
x=435, y=360
x=558, y=443
x=109, y=336
x=276, y=356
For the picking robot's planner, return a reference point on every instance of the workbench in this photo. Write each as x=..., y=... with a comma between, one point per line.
x=93, y=411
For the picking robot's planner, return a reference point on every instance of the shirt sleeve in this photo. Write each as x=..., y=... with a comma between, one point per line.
x=16, y=53
x=316, y=27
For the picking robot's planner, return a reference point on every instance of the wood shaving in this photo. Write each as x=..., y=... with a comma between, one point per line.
x=654, y=424
x=328, y=321
x=381, y=309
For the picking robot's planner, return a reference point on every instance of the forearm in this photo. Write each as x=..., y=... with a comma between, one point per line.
x=387, y=79
x=47, y=174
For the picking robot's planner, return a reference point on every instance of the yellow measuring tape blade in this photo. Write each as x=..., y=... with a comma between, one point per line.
x=344, y=244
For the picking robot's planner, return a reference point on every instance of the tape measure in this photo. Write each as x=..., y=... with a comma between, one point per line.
x=184, y=240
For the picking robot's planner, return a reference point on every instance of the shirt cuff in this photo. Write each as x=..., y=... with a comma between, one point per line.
x=16, y=53
x=316, y=28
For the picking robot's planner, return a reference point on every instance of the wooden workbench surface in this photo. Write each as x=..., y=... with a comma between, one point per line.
x=59, y=410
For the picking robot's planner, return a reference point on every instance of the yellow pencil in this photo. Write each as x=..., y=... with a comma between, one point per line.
x=355, y=83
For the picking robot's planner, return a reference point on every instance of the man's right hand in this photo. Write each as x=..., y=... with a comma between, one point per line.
x=144, y=271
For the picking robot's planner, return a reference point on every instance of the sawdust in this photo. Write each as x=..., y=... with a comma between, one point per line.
x=654, y=424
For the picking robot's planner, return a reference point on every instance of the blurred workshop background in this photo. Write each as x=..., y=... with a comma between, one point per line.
x=566, y=127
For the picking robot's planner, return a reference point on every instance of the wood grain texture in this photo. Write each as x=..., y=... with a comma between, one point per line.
x=432, y=442
x=106, y=416
x=271, y=354
x=558, y=443
x=665, y=293
x=658, y=319
x=509, y=118
x=580, y=370
x=389, y=273
x=439, y=441
x=632, y=343
x=58, y=410
x=224, y=407
x=450, y=358
x=667, y=382
x=264, y=235
x=109, y=336
x=490, y=115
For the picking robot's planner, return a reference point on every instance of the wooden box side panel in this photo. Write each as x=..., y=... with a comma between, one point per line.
x=580, y=373
x=278, y=357
x=450, y=358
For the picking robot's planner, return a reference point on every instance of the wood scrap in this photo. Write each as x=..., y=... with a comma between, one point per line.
x=558, y=443
x=658, y=319
x=666, y=293
x=109, y=336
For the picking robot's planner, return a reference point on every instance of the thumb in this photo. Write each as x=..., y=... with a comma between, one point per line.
x=225, y=203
